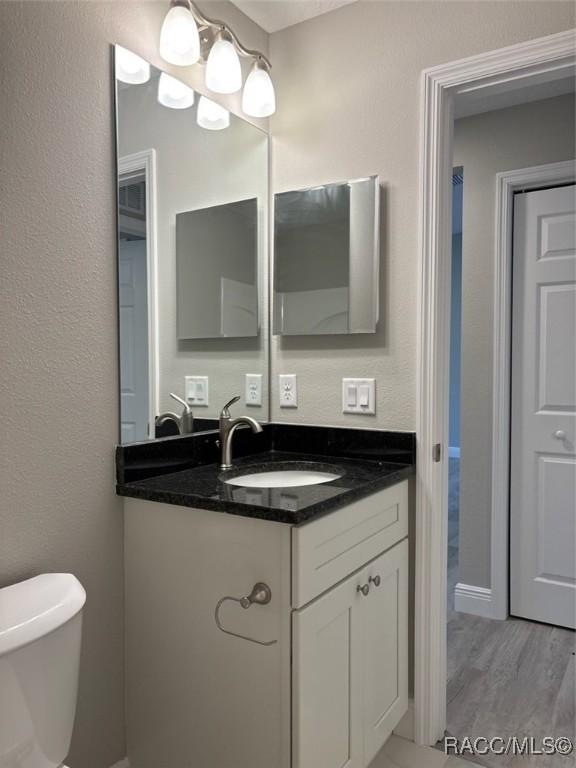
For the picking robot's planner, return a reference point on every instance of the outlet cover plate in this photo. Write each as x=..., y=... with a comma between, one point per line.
x=253, y=394
x=288, y=390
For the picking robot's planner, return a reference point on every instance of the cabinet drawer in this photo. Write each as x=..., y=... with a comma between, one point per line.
x=325, y=551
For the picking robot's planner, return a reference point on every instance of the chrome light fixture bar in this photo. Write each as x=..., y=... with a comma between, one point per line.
x=188, y=37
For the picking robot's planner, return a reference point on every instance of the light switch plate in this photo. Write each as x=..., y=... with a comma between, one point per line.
x=253, y=394
x=288, y=390
x=196, y=390
x=359, y=396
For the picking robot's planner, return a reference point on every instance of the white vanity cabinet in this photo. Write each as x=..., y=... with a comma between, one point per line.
x=350, y=644
x=332, y=686
x=350, y=671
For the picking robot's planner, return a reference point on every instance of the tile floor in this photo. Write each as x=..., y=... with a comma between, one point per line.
x=400, y=753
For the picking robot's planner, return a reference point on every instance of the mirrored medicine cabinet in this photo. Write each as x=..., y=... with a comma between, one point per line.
x=326, y=259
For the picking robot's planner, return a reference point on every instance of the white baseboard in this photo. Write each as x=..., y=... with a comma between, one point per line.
x=475, y=600
x=454, y=452
x=121, y=764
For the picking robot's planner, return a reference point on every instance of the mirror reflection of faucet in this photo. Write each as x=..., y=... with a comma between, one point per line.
x=184, y=422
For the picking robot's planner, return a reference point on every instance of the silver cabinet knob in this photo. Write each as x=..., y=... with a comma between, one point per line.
x=374, y=580
x=364, y=588
x=559, y=435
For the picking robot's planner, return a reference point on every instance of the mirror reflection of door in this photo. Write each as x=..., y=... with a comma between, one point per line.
x=133, y=295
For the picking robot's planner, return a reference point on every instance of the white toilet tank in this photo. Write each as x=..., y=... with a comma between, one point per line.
x=40, y=632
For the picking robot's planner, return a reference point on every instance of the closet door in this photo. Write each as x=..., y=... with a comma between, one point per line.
x=385, y=647
x=543, y=408
x=327, y=680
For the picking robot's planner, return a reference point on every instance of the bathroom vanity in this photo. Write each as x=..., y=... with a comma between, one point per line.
x=266, y=621
x=316, y=677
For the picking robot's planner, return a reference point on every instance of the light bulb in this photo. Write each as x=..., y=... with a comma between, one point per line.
x=174, y=93
x=223, y=70
x=179, y=37
x=211, y=115
x=131, y=68
x=258, y=98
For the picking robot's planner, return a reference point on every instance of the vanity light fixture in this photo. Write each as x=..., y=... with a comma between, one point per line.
x=223, y=70
x=179, y=36
x=188, y=36
x=211, y=115
x=174, y=93
x=130, y=68
x=258, y=97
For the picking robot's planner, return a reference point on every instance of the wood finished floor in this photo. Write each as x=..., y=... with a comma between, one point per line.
x=506, y=678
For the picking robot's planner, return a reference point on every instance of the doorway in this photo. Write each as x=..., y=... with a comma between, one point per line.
x=133, y=309
x=137, y=265
x=471, y=82
x=515, y=677
x=455, y=366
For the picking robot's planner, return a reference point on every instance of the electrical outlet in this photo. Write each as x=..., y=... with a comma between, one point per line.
x=288, y=390
x=253, y=394
x=196, y=390
x=359, y=396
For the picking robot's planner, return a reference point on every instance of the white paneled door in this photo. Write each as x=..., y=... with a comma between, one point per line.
x=134, y=384
x=543, y=407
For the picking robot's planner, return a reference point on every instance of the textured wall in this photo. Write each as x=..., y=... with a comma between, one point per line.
x=518, y=137
x=348, y=99
x=58, y=347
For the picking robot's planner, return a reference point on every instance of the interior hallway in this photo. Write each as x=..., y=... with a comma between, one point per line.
x=506, y=678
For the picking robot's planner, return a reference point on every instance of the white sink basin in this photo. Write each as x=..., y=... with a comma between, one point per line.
x=283, y=478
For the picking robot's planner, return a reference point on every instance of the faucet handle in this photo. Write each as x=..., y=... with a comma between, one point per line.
x=225, y=413
x=179, y=400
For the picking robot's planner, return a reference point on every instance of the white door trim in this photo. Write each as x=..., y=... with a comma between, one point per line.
x=546, y=58
x=507, y=184
x=145, y=162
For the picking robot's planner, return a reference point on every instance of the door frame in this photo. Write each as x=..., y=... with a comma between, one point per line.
x=504, y=70
x=145, y=162
x=507, y=183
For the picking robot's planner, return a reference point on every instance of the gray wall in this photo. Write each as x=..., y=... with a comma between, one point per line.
x=348, y=87
x=58, y=345
x=518, y=137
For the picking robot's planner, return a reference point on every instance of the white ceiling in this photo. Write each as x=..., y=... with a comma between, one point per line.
x=475, y=102
x=273, y=15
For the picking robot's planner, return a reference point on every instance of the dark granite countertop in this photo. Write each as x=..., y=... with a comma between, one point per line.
x=203, y=487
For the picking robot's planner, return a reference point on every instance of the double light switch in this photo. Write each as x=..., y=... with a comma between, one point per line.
x=359, y=396
x=196, y=390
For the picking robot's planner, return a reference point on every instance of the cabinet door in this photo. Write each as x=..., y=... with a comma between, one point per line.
x=327, y=680
x=385, y=647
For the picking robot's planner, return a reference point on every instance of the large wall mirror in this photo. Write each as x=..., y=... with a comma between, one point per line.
x=192, y=258
x=326, y=259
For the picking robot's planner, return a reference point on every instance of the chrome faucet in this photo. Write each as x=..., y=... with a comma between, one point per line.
x=228, y=426
x=184, y=422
